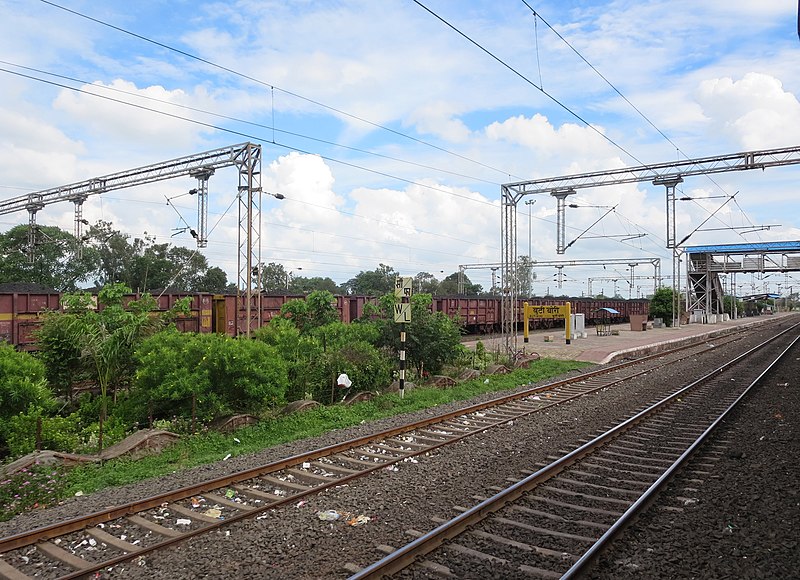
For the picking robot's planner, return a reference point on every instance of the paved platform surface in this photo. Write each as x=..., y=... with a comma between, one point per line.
x=604, y=349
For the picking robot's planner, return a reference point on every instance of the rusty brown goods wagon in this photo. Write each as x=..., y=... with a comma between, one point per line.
x=20, y=314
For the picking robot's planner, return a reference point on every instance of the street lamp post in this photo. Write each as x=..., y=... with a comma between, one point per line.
x=289, y=278
x=530, y=204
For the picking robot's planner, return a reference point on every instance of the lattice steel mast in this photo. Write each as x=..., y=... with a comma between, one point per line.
x=246, y=157
x=658, y=174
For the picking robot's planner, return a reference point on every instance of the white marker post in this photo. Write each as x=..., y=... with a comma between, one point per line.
x=402, y=315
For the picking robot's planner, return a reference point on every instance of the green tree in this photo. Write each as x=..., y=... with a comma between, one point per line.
x=142, y=264
x=728, y=302
x=376, y=283
x=433, y=339
x=449, y=286
x=661, y=305
x=274, y=278
x=106, y=337
x=213, y=280
x=525, y=276
x=316, y=310
x=426, y=283
x=56, y=263
x=306, y=285
x=60, y=351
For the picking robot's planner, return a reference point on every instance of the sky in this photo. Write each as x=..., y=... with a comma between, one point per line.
x=389, y=126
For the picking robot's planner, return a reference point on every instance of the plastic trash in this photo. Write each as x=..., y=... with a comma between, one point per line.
x=358, y=520
x=344, y=381
x=183, y=522
x=328, y=515
x=228, y=456
x=229, y=493
x=197, y=501
x=486, y=382
x=214, y=513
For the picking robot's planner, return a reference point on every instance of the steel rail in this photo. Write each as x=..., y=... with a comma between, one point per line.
x=426, y=543
x=588, y=558
x=78, y=523
x=81, y=523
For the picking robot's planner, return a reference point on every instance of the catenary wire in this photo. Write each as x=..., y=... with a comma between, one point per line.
x=272, y=87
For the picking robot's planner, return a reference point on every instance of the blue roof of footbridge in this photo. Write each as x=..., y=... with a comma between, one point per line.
x=745, y=248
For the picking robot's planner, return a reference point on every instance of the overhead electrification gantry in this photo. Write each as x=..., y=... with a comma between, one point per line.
x=246, y=157
x=559, y=265
x=667, y=174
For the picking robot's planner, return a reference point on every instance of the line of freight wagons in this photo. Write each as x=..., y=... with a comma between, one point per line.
x=20, y=312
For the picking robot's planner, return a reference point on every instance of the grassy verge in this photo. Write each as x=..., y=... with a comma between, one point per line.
x=210, y=447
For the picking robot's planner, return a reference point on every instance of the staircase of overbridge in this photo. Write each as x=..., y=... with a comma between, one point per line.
x=705, y=288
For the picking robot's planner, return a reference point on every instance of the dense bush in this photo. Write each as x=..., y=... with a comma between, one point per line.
x=22, y=387
x=661, y=305
x=350, y=348
x=60, y=351
x=57, y=433
x=432, y=338
x=315, y=356
x=217, y=374
x=77, y=432
x=22, y=382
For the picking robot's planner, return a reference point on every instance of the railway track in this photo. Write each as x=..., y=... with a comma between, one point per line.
x=554, y=522
x=80, y=546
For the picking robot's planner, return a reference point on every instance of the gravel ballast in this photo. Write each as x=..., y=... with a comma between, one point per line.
x=295, y=543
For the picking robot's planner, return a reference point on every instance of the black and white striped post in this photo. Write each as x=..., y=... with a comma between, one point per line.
x=402, y=315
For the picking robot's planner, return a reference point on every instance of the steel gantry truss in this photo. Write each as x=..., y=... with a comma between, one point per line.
x=463, y=267
x=246, y=157
x=630, y=262
x=667, y=174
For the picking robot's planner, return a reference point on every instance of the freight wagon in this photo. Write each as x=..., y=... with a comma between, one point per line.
x=21, y=311
x=484, y=314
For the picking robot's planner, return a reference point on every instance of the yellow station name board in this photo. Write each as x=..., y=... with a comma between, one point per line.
x=546, y=311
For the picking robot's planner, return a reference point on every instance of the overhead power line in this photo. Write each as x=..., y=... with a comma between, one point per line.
x=538, y=16
x=250, y=136
x=270, y=86
x=244, y=121
x=530, y=82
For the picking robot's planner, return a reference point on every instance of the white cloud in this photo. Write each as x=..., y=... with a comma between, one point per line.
x=710, y=83
x=118, y=122
x=755, y=111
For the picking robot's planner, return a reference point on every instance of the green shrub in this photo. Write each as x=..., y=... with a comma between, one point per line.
x=300, y=352
x=60, y=352
x=22, y=382
x=218, y=374
x=315, y=357
x=22, y=386
x=57, y=434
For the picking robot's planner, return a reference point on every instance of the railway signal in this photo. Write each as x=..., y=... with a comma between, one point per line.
x=402, y=315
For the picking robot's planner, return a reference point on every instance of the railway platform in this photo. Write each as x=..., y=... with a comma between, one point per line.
x=623, y=341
